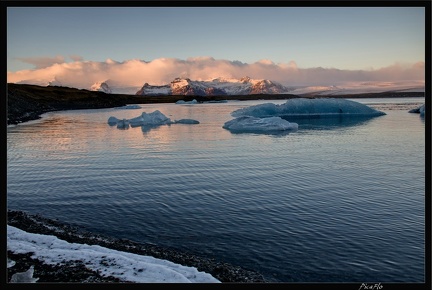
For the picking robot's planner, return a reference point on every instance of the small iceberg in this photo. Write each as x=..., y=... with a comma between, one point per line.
x=147, y=121
x=186, y=121
x=420, y=110
x=194, y=101
x=131, y=107
x=249, y=124
x=112, y=121
x=307, y=108
x=217, y=101
x=123, y=124
x=150, y=119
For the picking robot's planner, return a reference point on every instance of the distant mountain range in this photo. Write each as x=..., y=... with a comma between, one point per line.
x=214, y=87
x=218, y=86
x=247, y=86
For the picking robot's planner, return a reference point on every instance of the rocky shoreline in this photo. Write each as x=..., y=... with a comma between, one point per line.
x=29, y=102
x=76, y=271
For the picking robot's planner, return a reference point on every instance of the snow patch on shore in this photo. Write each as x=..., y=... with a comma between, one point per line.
x=125, y=266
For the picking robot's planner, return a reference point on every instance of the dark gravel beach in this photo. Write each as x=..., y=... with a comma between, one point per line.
x=76, y=271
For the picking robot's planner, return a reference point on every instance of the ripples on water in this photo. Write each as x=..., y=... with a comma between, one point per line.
x=336, y=201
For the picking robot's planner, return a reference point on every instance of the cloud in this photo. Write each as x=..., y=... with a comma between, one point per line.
x=402, y=71
x=76, y=57
x=265, y=62
x=135, y=72
x=42, y=62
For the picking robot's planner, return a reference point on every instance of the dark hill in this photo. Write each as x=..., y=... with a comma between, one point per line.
x=28, y=102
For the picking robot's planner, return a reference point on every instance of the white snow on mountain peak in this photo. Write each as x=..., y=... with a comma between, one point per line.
x=54, y=82
x=101, y=87
x=216, y=86
x=230, y=86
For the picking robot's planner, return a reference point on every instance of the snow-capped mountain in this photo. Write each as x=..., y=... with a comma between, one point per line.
x=54, y=82
x=217, y=86
x=349, y=88
x=231, y=86
x=101, y=87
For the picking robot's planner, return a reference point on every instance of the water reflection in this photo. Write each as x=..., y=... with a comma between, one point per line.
x=270, y=132
x=180, y=179
x=147, y=128
x=329, y=123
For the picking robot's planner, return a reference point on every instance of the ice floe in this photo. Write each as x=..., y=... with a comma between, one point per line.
x=131, y=107
x=186, y=121
x=194, y=101
x=251, y=124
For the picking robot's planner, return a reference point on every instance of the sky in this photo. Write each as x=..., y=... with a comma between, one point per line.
x=134, y=45
x=122, y=265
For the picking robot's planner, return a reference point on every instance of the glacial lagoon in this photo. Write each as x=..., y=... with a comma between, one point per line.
x=337, y=200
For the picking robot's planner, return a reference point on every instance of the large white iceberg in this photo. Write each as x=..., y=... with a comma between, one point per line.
x=302, y=107
x=259, y=125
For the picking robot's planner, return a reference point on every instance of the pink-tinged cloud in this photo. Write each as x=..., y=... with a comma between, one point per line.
x=76, y=57
x=42, y=62
x=135, y=72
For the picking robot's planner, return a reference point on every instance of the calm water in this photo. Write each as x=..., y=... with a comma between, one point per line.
x=338, y=200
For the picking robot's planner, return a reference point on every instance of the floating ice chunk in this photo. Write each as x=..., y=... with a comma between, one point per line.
x=187, y=102
x=186, y=121
x=112, y=121
x=259, y=125
x=137, y=121
x=217, y=101
x=131, y=107
x=302, y=107
x=24, y=277
x=123, y=124
x=148, y=121
x=420, y=110
x=155, y=118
